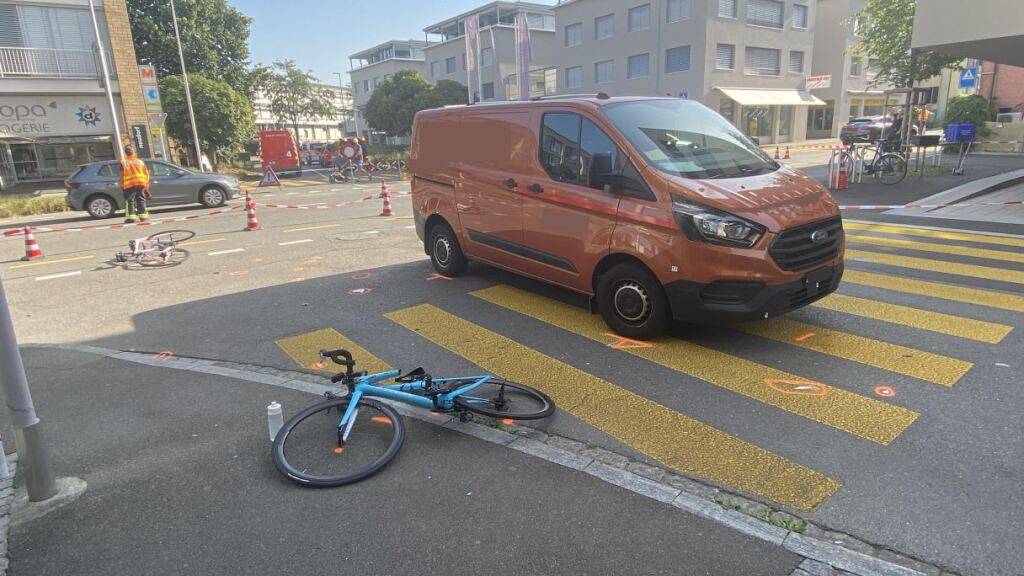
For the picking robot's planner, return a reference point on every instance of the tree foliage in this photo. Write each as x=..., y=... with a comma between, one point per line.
x=972, y=109
x=295, y=94
x=885, y=28
x=224, y=115
x=214, y=38
x=396, y=101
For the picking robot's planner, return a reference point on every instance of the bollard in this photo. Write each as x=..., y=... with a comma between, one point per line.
x=275, y=419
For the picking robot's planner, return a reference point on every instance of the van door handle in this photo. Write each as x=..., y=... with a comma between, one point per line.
x=511, y=184
x=535, y=188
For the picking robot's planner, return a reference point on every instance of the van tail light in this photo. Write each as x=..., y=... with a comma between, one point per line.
x=705, y=224
x=73, y=185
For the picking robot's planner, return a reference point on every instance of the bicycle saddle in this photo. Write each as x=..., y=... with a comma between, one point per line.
x=412, y=375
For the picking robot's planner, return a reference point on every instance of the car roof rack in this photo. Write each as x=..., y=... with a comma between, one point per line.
x=598, y=95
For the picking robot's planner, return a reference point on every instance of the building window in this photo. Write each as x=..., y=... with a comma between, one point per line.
x=855, y=65
x=435, y=69
x=727, y=8
x=799, y=16
x=819, y=118
x=725, y=57
x=604, y=72
x=768, y=13
x=487, y=57
x=366, y=85
x=640, y=18
x=762, y=61
x=677, y=59
x=449, y=65
x=678, y=10
x=604, y=27
x=796, y=61
x=638, y=66
x=488, y=88
x=574, y=34
x=574, y=77
x=785, y=120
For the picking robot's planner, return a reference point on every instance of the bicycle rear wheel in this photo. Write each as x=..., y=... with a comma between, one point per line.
x=172, y=236
x=307, y=449
x=173, y=257
x=891, y=169
x=500, y=398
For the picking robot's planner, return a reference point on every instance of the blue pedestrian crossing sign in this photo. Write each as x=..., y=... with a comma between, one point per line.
x=969, y=77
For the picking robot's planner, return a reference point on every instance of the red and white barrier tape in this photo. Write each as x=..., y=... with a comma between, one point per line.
x=930, y=206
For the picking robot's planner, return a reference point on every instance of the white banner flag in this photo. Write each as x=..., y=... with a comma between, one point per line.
x=472, y=62
x=523, y=55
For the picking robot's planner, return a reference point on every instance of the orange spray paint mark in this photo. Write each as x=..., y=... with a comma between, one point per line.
x=381, y=420
x=623, y=343
x=803, y=337
x=797, y=387
x=338, y=450
x=163, y=355
x=885, y=391
x=361, y=275
x=436, y=276
x=508, y=421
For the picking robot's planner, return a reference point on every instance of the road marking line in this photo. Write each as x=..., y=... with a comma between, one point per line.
x=231, y=251
x=976, y=296
x=678, y=441
x=941, y=266
x=858, y=415
x=198, y=242
x=292, y=194
x=303, y=241
x=916, y=318
x=61, y=275
x=919, y=364
x=936, y=233
x=305, y=349
x=45, y=262
x=940, y=248
x=321, y=227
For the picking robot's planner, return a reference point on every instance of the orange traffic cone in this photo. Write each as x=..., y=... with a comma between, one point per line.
x=844, y=176
x=32, y=250
x=383, y=189
x=387, y=204
x=250, y=206
x=776, y=152
x=786, y=156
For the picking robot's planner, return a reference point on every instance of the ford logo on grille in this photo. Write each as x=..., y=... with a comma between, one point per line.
x=819, y=236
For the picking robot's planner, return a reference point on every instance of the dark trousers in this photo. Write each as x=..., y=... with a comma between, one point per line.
x=135, y=203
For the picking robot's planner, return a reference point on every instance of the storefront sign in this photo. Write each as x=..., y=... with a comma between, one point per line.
x=141, y=141
x=818, y=82
x=35, y=116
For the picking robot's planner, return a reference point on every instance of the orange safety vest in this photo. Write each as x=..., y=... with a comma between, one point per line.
x=134, y=173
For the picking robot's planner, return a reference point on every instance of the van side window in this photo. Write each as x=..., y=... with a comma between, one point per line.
x=560, y=146
x=599, y=151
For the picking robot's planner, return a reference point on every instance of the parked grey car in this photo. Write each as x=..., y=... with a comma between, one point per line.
x=96, y=187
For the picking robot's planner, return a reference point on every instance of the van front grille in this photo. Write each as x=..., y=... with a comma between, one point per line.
x=795, y=250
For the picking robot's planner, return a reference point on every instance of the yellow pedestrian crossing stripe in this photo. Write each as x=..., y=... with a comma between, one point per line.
x=304, y=349
x=864, y=417
x=1009, y=256
x=926, y=233
x=678, y=441
x=969, y=270
x=978, y=296
x=892, y=357
x=948, y=324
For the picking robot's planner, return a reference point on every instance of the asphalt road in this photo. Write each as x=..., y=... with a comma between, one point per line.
x=889, y=411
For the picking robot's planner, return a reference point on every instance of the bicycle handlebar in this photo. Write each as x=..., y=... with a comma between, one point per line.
x=335, y=356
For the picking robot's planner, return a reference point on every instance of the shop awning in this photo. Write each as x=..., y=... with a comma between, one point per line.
x=759, y=97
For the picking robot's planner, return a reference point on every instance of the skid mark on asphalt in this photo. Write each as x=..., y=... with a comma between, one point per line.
x=941, y=266
x=858, y=415
x=1005, y=255
x=977, y=296
x=948, y=324
x=305, y=349
x=678, y=441
x=982, y=238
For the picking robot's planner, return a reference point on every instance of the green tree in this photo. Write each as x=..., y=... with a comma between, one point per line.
x=972, y=109
x=396, y=101
x=223, y=114
x=296, y=94
x=214, y=38
x=448, y=92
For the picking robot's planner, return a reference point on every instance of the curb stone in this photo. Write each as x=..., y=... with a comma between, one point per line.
x=826, y=552
x=6, y=497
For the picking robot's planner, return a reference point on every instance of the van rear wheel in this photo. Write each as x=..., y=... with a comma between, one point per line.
x=445, y=253
x=632, y=302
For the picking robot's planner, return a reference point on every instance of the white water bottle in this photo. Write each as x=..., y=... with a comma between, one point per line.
x=275, y=419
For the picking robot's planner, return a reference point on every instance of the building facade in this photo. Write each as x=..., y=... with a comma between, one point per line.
x=374, y=65
x=54, y=113
x=315, y=130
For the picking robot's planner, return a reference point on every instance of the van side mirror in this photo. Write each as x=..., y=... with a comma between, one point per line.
x=602, y=173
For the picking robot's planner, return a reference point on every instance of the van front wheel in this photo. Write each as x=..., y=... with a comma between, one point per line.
x=632, y=302
x=445, y=253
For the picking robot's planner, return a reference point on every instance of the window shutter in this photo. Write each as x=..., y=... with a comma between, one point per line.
x=764, y=61
x=35, y=31
x=799, y=16
x=677, y=59
x=10, y=26
x=725, y=57
x=679, y=10
x=727, y=8
x=765, y=13
x=796, y=61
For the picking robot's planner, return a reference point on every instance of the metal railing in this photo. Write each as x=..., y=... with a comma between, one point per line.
x=50, y=63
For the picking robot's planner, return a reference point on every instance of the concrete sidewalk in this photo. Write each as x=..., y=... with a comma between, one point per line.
x=181, y=481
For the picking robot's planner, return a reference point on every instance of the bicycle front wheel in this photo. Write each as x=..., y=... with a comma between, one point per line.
x=499, y=398
x=891, y=169
x=172, y=236
x=168, y=258
x=308, y=449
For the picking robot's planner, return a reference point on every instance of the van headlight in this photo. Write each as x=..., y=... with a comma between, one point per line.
x=707, y=224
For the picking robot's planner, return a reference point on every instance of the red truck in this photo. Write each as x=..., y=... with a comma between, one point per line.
x=278, y=150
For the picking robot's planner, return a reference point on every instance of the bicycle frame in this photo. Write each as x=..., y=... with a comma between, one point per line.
x=364, y=386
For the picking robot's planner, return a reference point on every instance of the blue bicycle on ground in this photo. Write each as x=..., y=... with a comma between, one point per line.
x=345, y=439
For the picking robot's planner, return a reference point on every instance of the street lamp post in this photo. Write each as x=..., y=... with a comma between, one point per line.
x=188, y=93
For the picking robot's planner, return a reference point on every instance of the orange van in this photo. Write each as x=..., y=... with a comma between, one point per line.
x=656, y=208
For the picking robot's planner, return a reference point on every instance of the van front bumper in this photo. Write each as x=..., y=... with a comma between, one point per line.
x=736, y=301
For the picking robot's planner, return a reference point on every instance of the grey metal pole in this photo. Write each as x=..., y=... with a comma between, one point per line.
x=188, y=93
x=119, y=149
x=33, y=459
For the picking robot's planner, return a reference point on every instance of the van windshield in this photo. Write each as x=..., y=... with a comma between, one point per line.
x=688, y=139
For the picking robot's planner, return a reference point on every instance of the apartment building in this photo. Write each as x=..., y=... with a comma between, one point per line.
x=446, y=54
x=54, y=113
x=320, y=129
x=374, y=65
x=747, y=59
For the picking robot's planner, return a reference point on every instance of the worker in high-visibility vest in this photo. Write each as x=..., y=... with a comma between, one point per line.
x=134, y=186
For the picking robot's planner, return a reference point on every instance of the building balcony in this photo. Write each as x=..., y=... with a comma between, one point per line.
x=20, y=62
